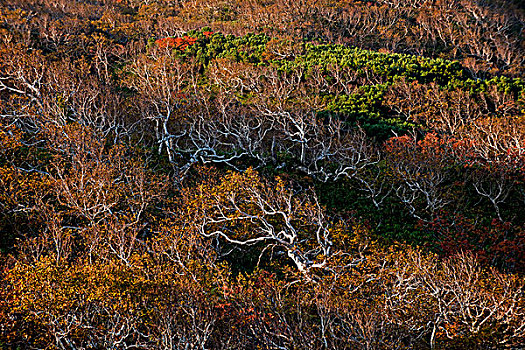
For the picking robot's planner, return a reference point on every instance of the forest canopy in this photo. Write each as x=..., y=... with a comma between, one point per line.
x=271, y=174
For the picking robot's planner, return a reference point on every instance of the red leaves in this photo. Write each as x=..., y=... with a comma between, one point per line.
x=165, y=43
x=176, y=43
x=432, y=148
x=180, y=43
x=435, y=149
x=499, y=243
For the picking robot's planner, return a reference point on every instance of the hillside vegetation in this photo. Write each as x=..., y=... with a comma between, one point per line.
x=262, y=174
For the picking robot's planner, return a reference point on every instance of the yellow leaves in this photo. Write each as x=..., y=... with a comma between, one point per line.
x=10, y=137
x=282, y=48
x=393, y=286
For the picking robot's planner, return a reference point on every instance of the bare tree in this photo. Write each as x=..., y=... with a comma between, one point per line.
x=244, y=210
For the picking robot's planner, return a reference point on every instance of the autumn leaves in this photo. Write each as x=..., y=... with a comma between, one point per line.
x=187, y=190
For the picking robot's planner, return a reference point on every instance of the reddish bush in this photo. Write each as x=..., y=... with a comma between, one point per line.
x=176, y=43
x=500, y=243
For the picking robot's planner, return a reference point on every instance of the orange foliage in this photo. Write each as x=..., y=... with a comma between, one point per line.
x=176, y=43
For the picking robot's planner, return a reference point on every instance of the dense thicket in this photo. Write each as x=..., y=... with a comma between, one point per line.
x=262, y=174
